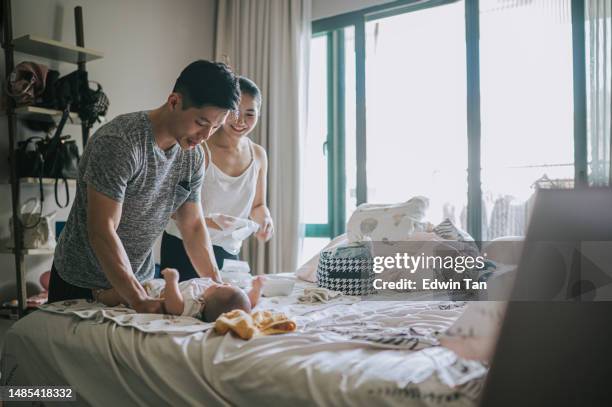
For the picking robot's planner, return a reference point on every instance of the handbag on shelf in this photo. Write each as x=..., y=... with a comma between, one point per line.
x=35, y=84
x=73, y=90
x=49, y=157
x=26, y=84
x=38, y=232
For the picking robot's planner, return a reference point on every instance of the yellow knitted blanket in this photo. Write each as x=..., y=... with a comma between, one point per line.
x=258, y=323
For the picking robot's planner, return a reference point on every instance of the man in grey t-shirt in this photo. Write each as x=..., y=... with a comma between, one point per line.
x=137, y=171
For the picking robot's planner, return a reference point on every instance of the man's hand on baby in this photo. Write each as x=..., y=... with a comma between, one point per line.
x=170, y=274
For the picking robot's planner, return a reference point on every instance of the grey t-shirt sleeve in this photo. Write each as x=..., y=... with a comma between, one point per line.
x=197, y=177
x=112, y=163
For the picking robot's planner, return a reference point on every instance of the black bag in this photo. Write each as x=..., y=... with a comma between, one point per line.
x=49, y=96
x=73, y=90
x=51, y=157
x=94, y=104
x=68, y=90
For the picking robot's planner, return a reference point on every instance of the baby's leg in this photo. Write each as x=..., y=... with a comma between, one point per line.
x=255, y=293
x=173, y=300
x=108, y=297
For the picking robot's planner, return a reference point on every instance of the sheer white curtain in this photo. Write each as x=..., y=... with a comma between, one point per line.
x=598, y=26
x=267, y=41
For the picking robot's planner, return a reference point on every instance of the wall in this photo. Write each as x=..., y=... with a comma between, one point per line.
x=328, y=8
x=145, y=44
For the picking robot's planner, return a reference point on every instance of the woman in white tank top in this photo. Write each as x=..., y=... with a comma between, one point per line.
x=234, y=187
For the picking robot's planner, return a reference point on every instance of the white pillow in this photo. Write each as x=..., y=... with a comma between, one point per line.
x=392, y=223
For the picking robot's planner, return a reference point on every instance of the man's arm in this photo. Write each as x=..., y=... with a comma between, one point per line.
x=103, y=216
x=196, y=240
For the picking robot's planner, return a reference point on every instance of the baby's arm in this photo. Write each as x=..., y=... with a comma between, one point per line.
x=255, y=292
x=173, y=300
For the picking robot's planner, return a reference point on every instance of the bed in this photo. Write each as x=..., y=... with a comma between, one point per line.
x=346, y=352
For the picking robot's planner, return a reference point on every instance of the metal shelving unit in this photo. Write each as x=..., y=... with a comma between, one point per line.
x=49, y=49
x=43, y=114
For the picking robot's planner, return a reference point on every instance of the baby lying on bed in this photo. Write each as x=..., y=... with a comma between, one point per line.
x=202, y=298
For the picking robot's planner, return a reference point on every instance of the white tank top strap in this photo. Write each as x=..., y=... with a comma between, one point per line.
x=252, y=150
x=207, y=156
x=256, y=163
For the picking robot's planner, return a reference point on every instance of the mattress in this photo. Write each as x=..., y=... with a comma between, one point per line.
x=345, y=353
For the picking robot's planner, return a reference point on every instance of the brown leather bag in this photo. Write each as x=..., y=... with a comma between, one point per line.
x=26, y=83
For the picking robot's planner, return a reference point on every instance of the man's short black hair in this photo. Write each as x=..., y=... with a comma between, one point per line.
x=205, y=83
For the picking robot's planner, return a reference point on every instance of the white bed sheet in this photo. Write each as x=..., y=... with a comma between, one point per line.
x=320, y=364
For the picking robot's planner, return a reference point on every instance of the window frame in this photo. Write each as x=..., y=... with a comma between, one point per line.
x=333, y=147
x=333, y=27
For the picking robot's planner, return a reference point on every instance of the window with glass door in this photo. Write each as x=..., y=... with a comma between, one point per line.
x=392, y=112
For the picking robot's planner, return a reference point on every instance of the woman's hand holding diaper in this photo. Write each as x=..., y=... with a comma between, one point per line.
x=266, y=230
x=261, y=215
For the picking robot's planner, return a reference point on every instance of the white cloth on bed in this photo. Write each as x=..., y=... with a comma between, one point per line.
x=127, y=317
x=191, y=290
x=474, y=334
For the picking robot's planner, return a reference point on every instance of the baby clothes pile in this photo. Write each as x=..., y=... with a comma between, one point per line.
x=313, y=295
x=259, y=323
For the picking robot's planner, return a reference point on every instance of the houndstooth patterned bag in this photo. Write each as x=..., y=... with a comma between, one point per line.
x=349, y=275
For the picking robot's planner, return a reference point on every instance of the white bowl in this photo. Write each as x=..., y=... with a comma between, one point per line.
x=277, y=287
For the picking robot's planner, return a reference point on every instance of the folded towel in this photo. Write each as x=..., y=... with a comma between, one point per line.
x=318, y=294
x=261, y=322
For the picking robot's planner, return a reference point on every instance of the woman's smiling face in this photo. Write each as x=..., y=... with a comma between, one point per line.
x=242, y=122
